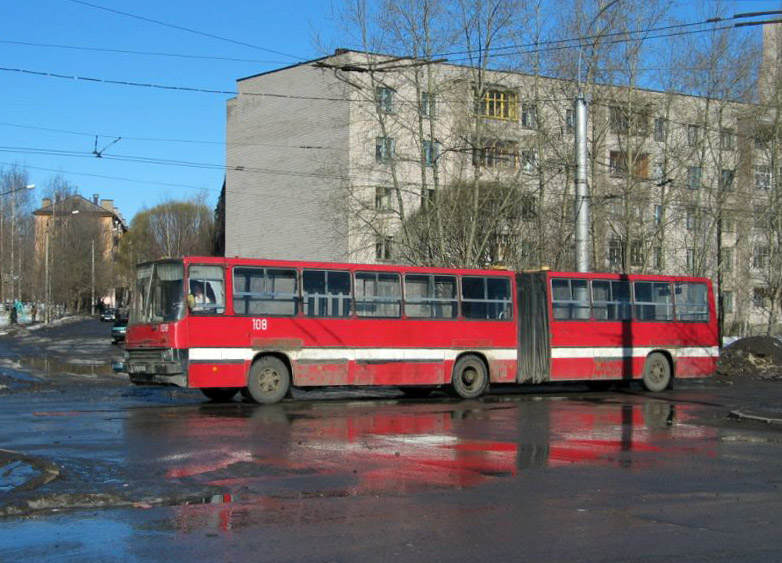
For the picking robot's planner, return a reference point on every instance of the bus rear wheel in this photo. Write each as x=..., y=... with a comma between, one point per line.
x=269, y=380
x=470, y=377
x=657, y=373
x=219, y=394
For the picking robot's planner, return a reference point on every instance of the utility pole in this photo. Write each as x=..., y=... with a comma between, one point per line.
x=582, y=188
x=47, y=286
x=92, y=298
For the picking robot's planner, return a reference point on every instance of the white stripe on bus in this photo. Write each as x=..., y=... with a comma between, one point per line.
x=633, y=352
x=444, y=354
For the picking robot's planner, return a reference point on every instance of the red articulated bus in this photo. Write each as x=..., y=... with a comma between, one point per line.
x=225, y=325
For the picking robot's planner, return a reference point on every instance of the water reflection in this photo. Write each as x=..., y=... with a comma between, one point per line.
x=274, y=456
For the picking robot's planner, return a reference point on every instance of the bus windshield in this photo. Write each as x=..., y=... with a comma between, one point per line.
x=159, y=295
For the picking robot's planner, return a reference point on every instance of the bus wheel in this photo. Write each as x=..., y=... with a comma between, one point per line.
x=657, y=372
x=219, y=394
x=470, y=377
x=269, y=380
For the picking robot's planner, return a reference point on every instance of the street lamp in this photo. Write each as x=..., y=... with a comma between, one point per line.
x=19, y=189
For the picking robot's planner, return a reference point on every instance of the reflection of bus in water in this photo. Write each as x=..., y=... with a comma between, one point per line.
x=262, y=327
x=412, y=447
x=352, y=450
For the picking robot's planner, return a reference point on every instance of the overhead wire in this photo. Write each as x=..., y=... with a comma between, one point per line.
x=186, y=29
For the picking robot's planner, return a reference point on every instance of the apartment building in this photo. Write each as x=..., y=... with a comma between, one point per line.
x=367, y=158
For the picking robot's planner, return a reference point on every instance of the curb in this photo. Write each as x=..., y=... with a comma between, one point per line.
x=739, y=415
x=47, y=471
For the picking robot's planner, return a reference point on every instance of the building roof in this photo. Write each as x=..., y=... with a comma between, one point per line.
x=71, y=204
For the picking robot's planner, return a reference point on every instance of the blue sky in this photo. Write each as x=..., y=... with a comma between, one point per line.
x=48, y=125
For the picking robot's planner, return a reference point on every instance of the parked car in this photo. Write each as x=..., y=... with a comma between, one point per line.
x=109, y=314
x=119, y=328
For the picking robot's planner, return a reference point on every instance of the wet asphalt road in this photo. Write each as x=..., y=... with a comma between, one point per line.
x=542, y=473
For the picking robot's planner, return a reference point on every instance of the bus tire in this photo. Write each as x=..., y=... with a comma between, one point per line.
x=219, y=394
x=657, y=373
x=470, y=377
x=269, y=380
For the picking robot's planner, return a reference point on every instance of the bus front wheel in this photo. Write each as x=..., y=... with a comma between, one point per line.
x=269, y=380
x=657, y=373
x=470, y=377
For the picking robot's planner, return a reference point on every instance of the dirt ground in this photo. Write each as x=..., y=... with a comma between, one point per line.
x=756, y=357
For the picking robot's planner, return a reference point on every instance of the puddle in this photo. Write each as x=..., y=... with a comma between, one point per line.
x=16, y=474
x=398, y=449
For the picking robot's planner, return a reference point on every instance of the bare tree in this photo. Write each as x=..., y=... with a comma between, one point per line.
x=173, y=228
x=15, y=234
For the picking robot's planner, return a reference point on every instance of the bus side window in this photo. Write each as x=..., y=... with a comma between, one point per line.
x=486, y=298
x=206, y=294
x=430, y=296
x=265, y=291
x=611, y=300
x=652, y=301
x=570, y=299
x=326, y=293
x=692, y=302
x=378, y=294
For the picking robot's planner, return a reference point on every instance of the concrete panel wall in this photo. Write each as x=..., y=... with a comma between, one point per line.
x=287, y=135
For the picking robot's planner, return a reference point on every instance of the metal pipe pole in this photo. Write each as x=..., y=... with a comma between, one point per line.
x=582, y=187
x=47, y=288
x=92, y=299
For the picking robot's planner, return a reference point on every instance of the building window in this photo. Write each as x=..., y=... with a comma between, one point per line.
x=727, y=302
x=760, y=297
x=760, y=257
x=762, y=217
x=529, y=161
x=636, y=253
x=762, y=178
x=727, y=139
x=496, y=154
x=614, y=252
x=528, y=207
x=431, y=152
x=384, y=97
x=728, y=224
x=427, y=105
x=727, y=177
x=660, y=129
x=658, y=215
x=727, y=260
x=658, y=172
x=618, y=120
x=761, y=143
x=384, y=149
x=383, y=198
x=658, y=258
x=617, y=165
x=692, y=219
x=499, y=104
x=693, y=135
x=690, y=259
x=694, y=175
x=383, y=250
x=570, y=121
x=529, y=116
